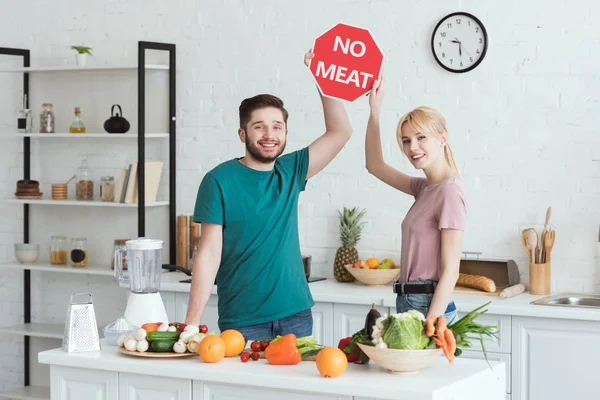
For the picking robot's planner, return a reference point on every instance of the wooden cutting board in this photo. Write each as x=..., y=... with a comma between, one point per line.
x=466, y=290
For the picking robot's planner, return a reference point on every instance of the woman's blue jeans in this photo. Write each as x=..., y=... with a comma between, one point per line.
x=421, y=302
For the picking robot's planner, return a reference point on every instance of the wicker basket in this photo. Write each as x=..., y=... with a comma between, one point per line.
x=374, y=277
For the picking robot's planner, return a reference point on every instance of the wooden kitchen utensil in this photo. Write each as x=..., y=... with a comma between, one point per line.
x=182, y=241
x=548, y=244
x=531, y=239
x=541, y=255
x=194, y=236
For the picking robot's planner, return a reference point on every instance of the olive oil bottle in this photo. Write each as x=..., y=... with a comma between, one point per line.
x=77, y=126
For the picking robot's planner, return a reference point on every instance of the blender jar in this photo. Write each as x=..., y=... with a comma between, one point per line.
x=144, y=265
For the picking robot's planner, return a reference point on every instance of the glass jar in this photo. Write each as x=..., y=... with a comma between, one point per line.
x=24, y=121
x=47, y=119
x=58, y=250
x=119, y=245
x=107, y=188
x=79, y=252
x=85, y=184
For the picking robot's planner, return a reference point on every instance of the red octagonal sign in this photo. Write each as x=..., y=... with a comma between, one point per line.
x=346, y=62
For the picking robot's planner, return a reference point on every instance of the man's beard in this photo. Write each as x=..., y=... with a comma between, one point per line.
x=256, y=155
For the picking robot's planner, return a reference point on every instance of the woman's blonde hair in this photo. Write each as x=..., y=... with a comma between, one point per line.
x=430, y=122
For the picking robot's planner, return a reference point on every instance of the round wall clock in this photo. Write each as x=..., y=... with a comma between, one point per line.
x=459, y=42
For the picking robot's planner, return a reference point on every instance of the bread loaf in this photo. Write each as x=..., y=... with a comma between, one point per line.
x=476, y=282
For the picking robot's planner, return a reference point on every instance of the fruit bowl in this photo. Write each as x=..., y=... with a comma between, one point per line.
x=373, y=277
x=401, y=361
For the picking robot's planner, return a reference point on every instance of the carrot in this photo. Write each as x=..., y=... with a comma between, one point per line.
x=430, y=326
x=451, y=342
x=441, y=327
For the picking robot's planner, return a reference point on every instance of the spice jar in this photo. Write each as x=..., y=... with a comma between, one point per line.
x=85, y=185
x=120, y=245
x=107, y=188
x=58, y=250
x=47, y=119
x=79, y=253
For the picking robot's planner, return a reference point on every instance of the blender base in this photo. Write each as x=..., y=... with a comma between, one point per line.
x=143, y=308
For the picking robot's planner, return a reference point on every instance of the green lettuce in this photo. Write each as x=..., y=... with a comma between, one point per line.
x=405, y=331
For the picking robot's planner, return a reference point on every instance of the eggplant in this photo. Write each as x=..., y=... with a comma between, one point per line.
x=370, y=320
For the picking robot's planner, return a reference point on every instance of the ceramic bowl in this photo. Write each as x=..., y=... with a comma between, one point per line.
x=401, y=361
x=27, y=253
x=374, y=277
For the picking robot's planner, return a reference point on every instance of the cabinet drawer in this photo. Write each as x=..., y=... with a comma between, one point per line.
x=503, y=322
x=148, y=387
x=214, y=391
x=492, y=357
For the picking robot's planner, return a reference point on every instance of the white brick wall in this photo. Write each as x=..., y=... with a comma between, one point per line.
x=524, y=125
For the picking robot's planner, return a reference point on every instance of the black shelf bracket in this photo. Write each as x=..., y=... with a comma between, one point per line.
x=142, y=47
x=26, y=175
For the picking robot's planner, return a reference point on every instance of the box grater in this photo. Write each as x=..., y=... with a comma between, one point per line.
x=81, y=330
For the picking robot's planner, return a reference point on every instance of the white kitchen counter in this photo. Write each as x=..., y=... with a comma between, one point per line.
x=331, y=291
x=465, y=379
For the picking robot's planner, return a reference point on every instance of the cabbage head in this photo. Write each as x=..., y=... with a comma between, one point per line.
x=406, y=331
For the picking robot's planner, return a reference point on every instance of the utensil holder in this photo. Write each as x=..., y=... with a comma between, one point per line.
x=539, y=278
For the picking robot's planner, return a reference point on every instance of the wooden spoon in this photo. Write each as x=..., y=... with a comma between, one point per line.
x=542, y=245
x=531, y=239
x=550, y=236
x=524, y=242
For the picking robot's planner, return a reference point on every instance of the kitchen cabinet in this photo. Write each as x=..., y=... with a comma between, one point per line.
x=79, y=383
x=214, y=391
x=348, y=319
x=500, y=345
x=145, y=387
x=555, y=359
x=210, y=317
x=478, y=355
x=322, y=314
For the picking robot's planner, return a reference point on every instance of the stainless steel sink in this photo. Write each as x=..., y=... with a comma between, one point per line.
x=571, y=300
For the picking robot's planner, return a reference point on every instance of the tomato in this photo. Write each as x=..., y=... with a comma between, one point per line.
x=255, y=356
x=203, y=329
x=256, y=346
x=264, y=345
x=245, y=356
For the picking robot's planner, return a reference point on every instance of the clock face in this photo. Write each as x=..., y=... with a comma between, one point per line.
x=459, y=42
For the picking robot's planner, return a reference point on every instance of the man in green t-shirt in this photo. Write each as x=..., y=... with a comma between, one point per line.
x=248, y=208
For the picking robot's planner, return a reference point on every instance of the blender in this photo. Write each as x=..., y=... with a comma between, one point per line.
x=144, y=268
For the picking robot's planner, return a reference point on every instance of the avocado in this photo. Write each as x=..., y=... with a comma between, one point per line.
x=370, y=320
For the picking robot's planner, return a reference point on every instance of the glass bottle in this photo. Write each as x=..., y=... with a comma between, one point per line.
x=85, y=184
x=77, y=126
x=58, y=250
x=79, y=252
x=47, y=119
x=107, y=188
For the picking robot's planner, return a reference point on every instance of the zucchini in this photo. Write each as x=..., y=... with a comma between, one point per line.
x=152, y=336
x=163, y=346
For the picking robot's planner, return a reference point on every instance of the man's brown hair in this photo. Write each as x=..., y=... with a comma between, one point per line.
x=258, y=102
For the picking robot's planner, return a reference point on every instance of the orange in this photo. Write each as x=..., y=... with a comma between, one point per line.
x=331, y=362
x=211, y=349
x=234, y=342
x=373, y=263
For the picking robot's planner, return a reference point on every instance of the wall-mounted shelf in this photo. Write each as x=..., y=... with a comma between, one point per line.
x=78, y=136
x=50, y=331
x=81, y=203
x=27, y=393
x=92, y=269
x=71, y=68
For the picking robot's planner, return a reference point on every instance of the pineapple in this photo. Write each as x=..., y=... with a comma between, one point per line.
x=350, y=229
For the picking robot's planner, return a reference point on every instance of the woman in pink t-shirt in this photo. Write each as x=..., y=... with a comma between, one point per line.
x=432, y=231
